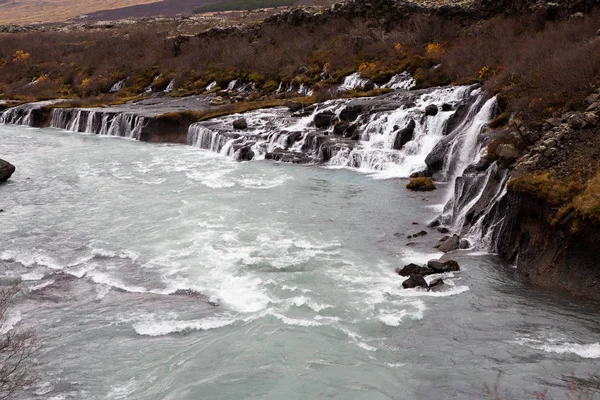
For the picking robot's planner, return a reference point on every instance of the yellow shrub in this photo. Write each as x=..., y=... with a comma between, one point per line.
x=435, y=50
x=20, y=57
x=484, y=72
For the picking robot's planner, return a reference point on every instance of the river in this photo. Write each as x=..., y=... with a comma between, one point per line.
x=170, y=272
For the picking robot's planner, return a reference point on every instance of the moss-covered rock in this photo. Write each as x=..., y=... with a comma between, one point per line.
x=421, y=184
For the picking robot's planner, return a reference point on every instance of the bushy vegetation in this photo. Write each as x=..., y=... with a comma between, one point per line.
x=537, y=67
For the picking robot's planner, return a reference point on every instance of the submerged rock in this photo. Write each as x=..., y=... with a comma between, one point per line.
x=6, y=170
x=415, y=281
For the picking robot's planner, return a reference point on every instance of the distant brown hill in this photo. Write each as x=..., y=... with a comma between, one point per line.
x=164, y=7
x=34, y=11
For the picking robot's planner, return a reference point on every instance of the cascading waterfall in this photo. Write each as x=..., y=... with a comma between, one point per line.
x=24, y=114
x=378, y=124
x=98, y=122
x=353, y=81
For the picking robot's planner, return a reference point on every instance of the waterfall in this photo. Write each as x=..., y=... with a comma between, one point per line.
x=99, y=122
x=211, y=86
x=276, y=134
x=353, y=81
x=232, y=85
x=117, y=86
x=170, y=86
x=205, y=138
x=403, y=81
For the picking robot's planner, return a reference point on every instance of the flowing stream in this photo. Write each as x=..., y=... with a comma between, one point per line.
x=173, y=272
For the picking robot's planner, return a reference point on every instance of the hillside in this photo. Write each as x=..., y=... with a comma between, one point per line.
x=34, y=11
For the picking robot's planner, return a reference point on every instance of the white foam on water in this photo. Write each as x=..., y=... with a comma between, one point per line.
x=161, y=328
x=263, y=182
x=103, y=279
x=418, y=257
x=42, y=285
x=295, y=322
x=294, y=289
x=304, y=301
x=29, y=260
x=394, y=317
x=356, y=339
x=591, y=350
x=102, y=291
x=10, y=320
x=32, y=276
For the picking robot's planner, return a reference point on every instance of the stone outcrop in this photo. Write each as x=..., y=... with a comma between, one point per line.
x=6, y=170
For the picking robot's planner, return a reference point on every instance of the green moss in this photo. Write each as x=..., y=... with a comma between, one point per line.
x=544, y=186
x=421, y=184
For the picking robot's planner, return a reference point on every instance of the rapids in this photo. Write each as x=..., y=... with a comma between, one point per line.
x=173, y=272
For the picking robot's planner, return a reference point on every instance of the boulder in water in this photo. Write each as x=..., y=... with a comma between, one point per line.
x=446, y=107
x=415, y=281
x=421, y=185
x=414, y=269
x=240, y=123
x=6, y=170
x=244, y=154
x=324, y=120
x=350, y=113
x=436, y=284
x=431, y=110
x=464, y=244
x=448, y=243
x=294, y=106
x=440, y=267
x=405, y=135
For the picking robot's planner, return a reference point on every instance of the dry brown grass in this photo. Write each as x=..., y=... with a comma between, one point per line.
x=587, y=204
x=35, y=11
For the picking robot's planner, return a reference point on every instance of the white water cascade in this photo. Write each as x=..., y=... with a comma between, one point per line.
x=378, y=122
x=98, y=122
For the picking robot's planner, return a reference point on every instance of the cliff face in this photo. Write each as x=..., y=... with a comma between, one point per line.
x=547, y=254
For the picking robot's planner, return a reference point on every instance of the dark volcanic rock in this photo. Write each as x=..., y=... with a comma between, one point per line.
x=325, y=119
x=405, y=135
x=415, y=281
x=449, y=243
x=446, y=107
x=414, y=269
x=440, y=267
x=6, y=170
x=350, y=113
x=436, y=284
x=431, y=110
x=240, y=123
x=244, y=154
